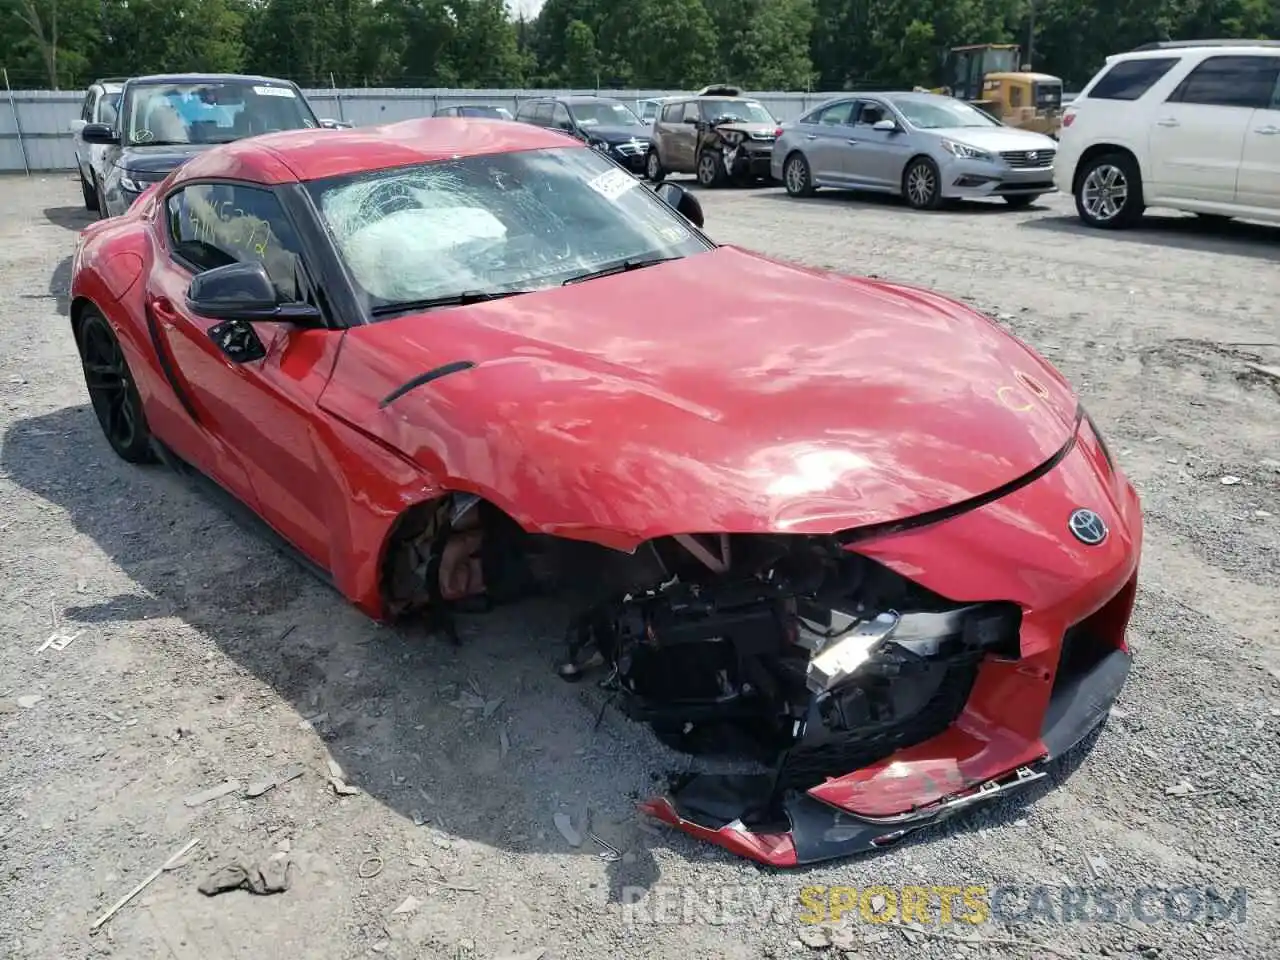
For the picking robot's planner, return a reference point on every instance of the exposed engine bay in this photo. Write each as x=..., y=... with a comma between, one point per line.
x=791, y=650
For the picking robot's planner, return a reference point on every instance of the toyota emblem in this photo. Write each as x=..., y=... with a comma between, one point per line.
x=1087, y=527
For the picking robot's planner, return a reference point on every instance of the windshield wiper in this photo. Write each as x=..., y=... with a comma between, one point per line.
x=623, y=266
x=452, y=300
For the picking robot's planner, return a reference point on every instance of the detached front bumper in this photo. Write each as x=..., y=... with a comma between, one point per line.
x=1024, y=709
x=979, y=179
x=818, y=831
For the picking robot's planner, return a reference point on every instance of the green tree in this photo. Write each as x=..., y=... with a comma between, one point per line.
x=581, y=58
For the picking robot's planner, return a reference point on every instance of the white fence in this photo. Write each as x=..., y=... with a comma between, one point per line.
x=35, y=125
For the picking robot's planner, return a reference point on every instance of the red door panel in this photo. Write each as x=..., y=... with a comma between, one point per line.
x=260, y=413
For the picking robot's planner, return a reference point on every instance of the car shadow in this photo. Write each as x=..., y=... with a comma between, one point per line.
x=1237, y=237
x=388, y=702
x=70, y=218
x=831, y=196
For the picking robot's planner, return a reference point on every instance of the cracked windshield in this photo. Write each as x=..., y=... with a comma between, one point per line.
x=167, y=114
x=496, y=225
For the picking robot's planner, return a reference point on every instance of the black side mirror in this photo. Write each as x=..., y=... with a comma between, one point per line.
x=243, y=291
x=100, y=133
x=682, y=201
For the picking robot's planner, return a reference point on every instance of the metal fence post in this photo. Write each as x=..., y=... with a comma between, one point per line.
x=337, y=96
x=17, y=125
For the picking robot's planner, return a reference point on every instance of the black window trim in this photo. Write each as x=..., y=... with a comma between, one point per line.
x=1176, y=95
x=305, y=222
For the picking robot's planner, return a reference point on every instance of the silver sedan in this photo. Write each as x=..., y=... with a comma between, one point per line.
x=925, y=147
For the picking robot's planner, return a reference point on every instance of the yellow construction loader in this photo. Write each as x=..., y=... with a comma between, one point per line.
x=990, y=76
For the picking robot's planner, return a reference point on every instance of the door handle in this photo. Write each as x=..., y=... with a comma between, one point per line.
x=851, y=140
x=1167, y=122
x=811, y=136
x=1268, y=131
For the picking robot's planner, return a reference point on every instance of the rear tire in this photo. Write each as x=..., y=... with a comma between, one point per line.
x=797, y=177
x=1109, y=192
x=112, y=390
x=922, y=184
x=90, y=195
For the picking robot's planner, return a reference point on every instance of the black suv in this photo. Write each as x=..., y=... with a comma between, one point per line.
x=609, y=126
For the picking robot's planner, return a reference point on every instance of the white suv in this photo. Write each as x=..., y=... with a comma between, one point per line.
x=1191, y=126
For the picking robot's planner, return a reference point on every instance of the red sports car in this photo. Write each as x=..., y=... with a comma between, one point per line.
x=849, y=528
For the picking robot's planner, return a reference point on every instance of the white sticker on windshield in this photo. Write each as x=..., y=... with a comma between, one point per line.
x=274, y=92
x=613, y=183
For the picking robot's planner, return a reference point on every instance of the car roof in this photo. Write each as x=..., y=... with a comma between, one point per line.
x=314, y=154
x=206, y=78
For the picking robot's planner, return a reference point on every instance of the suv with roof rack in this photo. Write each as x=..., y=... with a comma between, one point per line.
x=1193, y=126
x=716, y=134
x=100, y=104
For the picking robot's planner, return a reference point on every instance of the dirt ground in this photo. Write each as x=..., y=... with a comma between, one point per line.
x=201, y=655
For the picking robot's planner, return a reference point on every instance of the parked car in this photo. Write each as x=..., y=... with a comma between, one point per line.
x=165, y=120
x=1191, y=126
x=926, y=147
x=605, y=124
x=843, y=523
x=716, y=134
x=100, y=105
x=647, y=109
x=482, y=111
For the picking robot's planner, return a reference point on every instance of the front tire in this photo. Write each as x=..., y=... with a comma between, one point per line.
x=1109, y=192
x=653, y=167
x=112, y=390
x=922, y=184
x=90, y=195
x=710, y=169
x=797, y=177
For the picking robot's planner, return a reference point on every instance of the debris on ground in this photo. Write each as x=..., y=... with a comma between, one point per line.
x=1183, y=789
x=409, y=905
x=169, y=864
x=535, y=954
x=213, y=793
x=814, y=937
x=1230, y=481
x=29, y=700
x=259, y=787
x=59, y=640
x=338, y=780
x=273, y=874
x=564, y=823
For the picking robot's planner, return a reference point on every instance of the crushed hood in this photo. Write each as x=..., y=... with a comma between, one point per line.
x=722, y=392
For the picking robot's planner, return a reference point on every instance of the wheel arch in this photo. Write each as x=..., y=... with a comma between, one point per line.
x=1099, y=150
x=918, y=155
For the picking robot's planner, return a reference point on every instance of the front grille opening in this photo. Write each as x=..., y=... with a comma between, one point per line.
x=1091, y=640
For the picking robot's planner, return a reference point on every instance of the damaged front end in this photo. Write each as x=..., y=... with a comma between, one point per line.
x=792, y=652
x=744, y=150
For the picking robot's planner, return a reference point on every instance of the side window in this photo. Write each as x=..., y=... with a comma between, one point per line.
x=525, y=111
x=214, y=224
x=108, y=106
x=1015, y=96
x=872, y=113
x=86, y=108
x=1130, y=79
x=560, y=117
x=837, y=115
x=1230, y=82
x=690, y=114
x=1275, y=95
x=542, y=115
x=672, y=112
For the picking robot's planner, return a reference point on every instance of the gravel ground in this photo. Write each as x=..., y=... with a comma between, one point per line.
x=200, y=653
